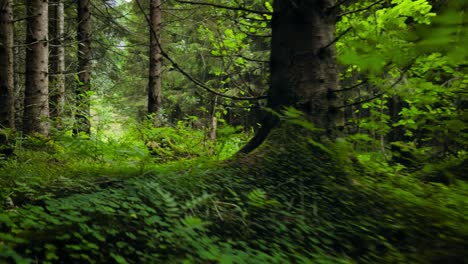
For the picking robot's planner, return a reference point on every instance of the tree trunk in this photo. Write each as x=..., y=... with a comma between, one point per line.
x=155, y=59
x=82, y=117
x=57, y=93
x=395, y=105
x=303, y=67
x=213, y=120
x=304, y=72
x=36, y=102
x=19, y=61
x=7, y=110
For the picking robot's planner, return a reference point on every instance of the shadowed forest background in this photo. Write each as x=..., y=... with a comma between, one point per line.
x=240, y=131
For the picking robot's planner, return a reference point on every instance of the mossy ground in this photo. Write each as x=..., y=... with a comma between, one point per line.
x=294, y=199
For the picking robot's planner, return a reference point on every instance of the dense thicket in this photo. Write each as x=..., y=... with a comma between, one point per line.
x=358, y=110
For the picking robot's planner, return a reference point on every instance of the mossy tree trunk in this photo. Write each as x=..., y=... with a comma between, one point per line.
x=304, y=71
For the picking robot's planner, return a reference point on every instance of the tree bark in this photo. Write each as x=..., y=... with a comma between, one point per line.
x=82, y=117
x=213, y=120
x=57, y=93
x=395, y=105
x=155, y=60
x=304, y=72
x=36, y=104
x=7, y=110
x=303, y=67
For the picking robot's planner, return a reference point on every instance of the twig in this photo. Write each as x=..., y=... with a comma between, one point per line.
x=331, y=9
x=351, y=87
x=361, y=9
x=183, y=72
x=238, y=8
x=402, y=74
x=337, y=38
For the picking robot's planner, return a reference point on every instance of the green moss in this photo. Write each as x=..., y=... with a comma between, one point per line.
x=297, y=198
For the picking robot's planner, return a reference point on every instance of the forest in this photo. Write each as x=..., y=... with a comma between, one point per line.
x=233, y=131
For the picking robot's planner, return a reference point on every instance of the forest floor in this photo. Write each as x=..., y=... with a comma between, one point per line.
x=292, y=200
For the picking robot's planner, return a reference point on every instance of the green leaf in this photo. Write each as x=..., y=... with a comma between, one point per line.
x=152, y=220
x=119, y=259
x=268, y=6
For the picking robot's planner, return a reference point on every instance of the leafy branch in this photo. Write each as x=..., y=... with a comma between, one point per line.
x=186, y=74
x=397, y=81
x=361, y=9
x=237, y=8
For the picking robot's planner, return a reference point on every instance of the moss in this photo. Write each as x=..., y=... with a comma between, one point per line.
x=297, y=198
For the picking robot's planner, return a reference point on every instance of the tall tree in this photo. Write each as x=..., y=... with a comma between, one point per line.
x=303, y=66
x=304, y=70
x=6, y=65
x=84, y=63
x=58, y=60
x=155, y=59
x=36, y=104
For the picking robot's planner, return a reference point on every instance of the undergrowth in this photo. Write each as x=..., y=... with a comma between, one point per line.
x=64, y=164
x=294, y=200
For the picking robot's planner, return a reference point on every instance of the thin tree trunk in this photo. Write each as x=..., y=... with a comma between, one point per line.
x=155, y=60
x=84, y=61
x=19, y=61
x=7, y=110
x=58, y=62
x=19, y=58
x=213, y=120
x=395, y=105
x=36, y=104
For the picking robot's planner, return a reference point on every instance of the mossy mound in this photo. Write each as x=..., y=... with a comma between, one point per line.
x=295, y=199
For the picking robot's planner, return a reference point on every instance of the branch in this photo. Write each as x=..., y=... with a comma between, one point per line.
x=241, y=107
x=350, y=88
x=337, y=38
x=402, y=74
x=19, y=19
x=111, y=19
x=333, y=8
x=238, y=8
x=254, y=60
x=183, y=72
x=361, y=9
x=240, y=56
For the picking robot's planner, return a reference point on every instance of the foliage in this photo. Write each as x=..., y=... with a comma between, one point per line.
x=393, y=189
x=301, y=202
x=44, y=167
x=412, y=87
